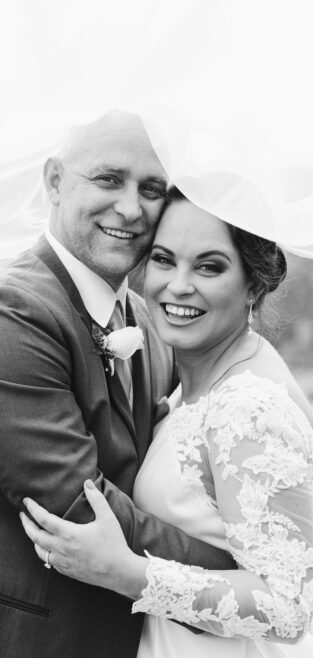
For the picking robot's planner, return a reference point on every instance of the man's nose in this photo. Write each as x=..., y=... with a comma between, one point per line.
x=180, y=284
x=128, y=204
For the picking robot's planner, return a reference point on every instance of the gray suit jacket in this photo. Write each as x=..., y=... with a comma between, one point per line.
x=63, y=419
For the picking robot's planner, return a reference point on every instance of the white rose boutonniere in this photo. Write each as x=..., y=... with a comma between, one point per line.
x=120, y=344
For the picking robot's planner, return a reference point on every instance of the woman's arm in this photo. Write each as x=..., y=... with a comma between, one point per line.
x=96, y=553
x=260, y=449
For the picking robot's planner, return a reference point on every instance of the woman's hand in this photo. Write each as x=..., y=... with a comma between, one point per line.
x=95, y=553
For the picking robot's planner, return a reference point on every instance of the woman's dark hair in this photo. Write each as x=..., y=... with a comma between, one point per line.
x=263, y=261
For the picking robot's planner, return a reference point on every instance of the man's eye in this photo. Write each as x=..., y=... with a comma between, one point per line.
x=151, y=192
x=108, y=179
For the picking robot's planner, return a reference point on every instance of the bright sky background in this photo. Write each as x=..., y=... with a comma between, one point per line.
x=59, y=58
x=239, y=70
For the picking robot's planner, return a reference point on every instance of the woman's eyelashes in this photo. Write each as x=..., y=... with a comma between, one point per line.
x=206, y=268
x=162, y=259
x=211, y=267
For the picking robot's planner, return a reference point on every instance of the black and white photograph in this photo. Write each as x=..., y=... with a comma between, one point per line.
x=156, y=329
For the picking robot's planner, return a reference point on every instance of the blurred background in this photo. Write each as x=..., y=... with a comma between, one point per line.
x=291, y=311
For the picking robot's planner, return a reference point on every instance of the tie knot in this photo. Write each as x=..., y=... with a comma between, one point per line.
x=117, y=318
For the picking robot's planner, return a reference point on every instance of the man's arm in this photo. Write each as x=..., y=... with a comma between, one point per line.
x=46, y=452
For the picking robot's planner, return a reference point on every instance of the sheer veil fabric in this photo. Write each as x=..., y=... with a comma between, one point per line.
x=223, y=88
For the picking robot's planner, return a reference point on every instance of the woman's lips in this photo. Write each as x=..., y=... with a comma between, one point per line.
x=182, y=312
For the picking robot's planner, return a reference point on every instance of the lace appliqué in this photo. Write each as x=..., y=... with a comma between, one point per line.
x=265, y=540
x=172, y=592
x=186, y=431
x=251, y=416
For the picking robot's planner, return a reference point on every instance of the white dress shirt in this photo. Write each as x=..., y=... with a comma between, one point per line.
x=98, y=296
x=99, y=299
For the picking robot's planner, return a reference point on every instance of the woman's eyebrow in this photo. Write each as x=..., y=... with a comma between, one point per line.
x=159, y=246
x=214, y=252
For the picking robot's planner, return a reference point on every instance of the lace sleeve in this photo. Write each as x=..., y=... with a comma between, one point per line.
x=260, y=452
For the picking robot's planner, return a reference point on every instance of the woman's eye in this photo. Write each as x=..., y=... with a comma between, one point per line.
x=210, y=267
x=161, y=259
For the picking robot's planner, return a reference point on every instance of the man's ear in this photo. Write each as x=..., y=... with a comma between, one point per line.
x=52, y=176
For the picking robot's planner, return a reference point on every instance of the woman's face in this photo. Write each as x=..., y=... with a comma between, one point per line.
x=195, y=286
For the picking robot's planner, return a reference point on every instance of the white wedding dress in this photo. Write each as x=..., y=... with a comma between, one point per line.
x=235, y=470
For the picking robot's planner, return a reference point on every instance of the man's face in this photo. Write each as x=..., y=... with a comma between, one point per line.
x=109, y=196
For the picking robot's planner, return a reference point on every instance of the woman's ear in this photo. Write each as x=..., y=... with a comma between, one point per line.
x=255, y=291
x=52, y=176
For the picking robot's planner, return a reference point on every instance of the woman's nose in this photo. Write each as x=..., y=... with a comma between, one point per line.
x=128, y=204
x=180, y=284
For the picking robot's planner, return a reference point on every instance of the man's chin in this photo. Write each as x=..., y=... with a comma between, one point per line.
x=112, y=272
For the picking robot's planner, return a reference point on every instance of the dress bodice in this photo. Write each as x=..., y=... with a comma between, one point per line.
x=235, y=469
x=170, y=486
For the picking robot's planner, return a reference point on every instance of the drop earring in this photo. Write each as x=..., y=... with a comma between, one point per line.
x=250, y=317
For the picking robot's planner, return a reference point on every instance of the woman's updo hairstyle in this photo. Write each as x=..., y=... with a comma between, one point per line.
x=263, y=261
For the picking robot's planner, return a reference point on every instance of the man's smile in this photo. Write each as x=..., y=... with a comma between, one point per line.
x=117, y=233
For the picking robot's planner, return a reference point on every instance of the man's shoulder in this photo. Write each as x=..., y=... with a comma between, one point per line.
x=24, y=274
x=24, y=268
x=28, y=281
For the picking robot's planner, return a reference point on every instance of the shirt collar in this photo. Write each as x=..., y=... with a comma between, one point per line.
x=98, y=296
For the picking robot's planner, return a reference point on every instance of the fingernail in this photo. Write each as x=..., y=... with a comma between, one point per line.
x=21, y=515
x=89, y=484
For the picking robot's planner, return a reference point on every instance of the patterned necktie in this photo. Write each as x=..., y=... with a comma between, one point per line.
x=121, y=366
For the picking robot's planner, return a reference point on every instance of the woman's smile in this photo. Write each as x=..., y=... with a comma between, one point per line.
x=180, y=313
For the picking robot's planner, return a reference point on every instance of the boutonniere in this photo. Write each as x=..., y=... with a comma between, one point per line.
x=120, y=344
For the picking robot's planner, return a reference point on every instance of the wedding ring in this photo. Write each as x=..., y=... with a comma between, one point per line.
x=47, y=563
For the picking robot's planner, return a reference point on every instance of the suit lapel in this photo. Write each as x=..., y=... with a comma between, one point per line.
x=119, y=400
x=142, y=403
x=142, y=386
x=48, y=256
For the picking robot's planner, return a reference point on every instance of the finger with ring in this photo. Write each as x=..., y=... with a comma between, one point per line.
x=47, y=562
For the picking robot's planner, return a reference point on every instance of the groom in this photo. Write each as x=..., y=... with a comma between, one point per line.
x=63, y=417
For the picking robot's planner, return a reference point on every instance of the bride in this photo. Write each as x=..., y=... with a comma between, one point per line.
x=231, y=463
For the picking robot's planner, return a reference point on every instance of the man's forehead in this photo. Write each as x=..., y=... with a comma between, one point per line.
x=117, y=141
x=120, y=144
x=120, y=129
x=117, y=129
